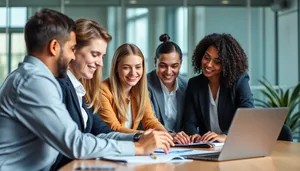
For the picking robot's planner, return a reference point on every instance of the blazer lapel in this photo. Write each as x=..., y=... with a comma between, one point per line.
x=89, y=123
x=221, y=105
x=75, y=101
x=159, y=95
x=205, y=102
x=134, y=107
x=180, y=100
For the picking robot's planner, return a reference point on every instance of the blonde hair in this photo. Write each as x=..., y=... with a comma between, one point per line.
x=140, y=89
x=86, y=31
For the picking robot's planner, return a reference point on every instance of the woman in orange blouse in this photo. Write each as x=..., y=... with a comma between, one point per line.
x=124, y=98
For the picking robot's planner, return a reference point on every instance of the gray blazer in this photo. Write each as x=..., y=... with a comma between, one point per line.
x=157, y=98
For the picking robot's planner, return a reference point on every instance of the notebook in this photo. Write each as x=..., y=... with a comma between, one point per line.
x=173, y=151
x=200, y=145
x=174, y=155
x=146, y=159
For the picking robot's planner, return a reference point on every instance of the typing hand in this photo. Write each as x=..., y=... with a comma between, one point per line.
x=181, y=138
x=212, y=136
x=152, y=140
x=195, y=138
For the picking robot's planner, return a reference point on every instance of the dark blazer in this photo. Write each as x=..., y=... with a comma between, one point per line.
x=95, y=124
x=157, y=98
x=197, y=104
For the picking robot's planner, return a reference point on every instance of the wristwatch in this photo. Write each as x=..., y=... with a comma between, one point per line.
x=137, y=136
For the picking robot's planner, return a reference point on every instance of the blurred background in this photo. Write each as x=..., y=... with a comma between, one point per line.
x=268, y=30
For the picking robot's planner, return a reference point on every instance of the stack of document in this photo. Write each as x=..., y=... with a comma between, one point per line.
x=173, y=151
x=146, y=159
x=174, y=155
x=200, y=145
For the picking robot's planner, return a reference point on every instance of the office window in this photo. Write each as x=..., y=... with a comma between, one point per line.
x=17, y=16
x=137, y=29
x=18, y=49
x=3, y=57
x=133, y=12
x=182, y=38
x=12, y=44
x=3, y=17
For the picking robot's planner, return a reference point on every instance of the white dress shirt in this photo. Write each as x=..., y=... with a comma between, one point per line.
x=128, y=123
x=80, y=92
x=170, y=100
x=213, y=113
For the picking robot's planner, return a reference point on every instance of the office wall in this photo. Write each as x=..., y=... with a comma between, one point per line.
x=234, y=20
x=269, y=64
x=288, y=46
x=206, y=20
x=96, y=13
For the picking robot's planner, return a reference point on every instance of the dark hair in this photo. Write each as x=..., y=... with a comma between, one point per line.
x=232, y=56
x=167, y=46
x=45, y=26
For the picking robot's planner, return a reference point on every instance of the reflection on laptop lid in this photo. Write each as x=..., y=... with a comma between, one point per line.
x=253, y=133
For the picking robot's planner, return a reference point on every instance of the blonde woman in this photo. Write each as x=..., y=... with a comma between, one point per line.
x=124, y=98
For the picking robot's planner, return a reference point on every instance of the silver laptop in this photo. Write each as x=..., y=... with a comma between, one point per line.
x=253, y=133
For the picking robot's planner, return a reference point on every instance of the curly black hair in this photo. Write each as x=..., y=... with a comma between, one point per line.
x=232, y=56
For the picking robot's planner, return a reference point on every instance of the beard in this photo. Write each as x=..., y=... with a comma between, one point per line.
x=62, y=66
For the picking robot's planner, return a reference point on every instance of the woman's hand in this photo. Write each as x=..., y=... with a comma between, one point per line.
x=195, y=138
x=180, y=138
x=212, y=136
x=152, y=140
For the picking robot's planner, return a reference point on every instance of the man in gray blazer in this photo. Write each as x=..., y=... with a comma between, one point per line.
x=166, y=88
x=34, y=123
x=158, y=103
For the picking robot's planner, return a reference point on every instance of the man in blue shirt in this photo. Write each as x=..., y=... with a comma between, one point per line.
x=34, y=123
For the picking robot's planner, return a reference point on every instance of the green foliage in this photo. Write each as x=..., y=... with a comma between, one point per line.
x=278, y=98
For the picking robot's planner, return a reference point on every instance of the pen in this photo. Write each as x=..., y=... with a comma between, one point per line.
x=153, y=156
x=94, y=168
x=173, y=152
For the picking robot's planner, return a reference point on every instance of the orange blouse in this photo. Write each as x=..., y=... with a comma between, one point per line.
x=108, y=113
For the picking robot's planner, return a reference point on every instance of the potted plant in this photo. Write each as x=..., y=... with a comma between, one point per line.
x=279, y=98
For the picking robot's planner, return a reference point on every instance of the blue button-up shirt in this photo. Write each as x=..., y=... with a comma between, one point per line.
x=35, y=124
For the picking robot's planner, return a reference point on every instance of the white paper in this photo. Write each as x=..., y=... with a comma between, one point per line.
x=147, y=159
x=182, y=151
x=199, y=143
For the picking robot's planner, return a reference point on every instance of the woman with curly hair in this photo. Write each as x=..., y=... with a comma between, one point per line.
x=222, y=86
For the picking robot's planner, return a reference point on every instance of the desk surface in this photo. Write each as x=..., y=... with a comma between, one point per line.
x=285, y=156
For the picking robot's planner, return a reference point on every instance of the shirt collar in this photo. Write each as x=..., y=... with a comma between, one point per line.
x=212, y=101
x=76, y=83
x=165, y=89
x=37, y=62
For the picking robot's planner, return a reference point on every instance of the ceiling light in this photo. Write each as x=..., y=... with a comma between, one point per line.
x=225, y=2
x=132, y=1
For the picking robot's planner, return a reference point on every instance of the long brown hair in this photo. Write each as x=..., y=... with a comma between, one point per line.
x=140, y=89
x=86, y=31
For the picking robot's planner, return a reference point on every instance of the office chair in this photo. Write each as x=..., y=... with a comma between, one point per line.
x=285, y=134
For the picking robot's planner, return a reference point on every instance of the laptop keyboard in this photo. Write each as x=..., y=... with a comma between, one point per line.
x=212, y=156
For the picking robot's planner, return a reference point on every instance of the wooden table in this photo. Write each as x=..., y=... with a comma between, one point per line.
x=285, y=157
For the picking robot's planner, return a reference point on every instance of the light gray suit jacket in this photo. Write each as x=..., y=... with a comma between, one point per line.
x=157, y=98
x=35, y=125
